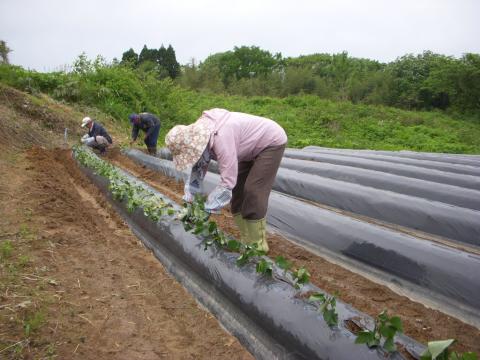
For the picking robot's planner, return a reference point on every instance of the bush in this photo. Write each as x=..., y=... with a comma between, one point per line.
x=308, y=120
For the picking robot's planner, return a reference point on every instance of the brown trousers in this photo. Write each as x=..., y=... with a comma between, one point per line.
x=254, y=183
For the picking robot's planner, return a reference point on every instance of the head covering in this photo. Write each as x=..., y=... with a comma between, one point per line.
x=187, y=143
x=133, y=117
x=85, y=121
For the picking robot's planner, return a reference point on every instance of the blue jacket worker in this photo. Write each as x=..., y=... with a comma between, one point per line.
x=150, y=124
x=97, y=137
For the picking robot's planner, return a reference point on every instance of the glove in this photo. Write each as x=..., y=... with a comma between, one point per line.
x=88, y=140
x=217, y=199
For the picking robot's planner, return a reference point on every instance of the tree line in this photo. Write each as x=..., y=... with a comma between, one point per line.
x=426, y=81
x=162, y=61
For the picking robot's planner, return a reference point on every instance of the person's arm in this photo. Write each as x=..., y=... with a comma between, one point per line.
x=135, y=129
x=225, y=148
x=194, y=183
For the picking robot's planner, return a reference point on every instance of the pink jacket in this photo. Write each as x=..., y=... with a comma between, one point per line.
x=239, y=137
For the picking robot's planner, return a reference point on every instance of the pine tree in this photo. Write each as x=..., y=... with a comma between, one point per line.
x=147, y=55
x=171, y=63
x=130, y=57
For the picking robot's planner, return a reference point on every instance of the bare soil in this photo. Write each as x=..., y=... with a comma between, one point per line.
x=421, y=323
x=74, y=281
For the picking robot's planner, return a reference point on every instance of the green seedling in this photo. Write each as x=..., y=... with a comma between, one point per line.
x=327, y=307
x=385, y=329
x=283, y=263
x=439, y=350
x=301, y=277
x=264, y=267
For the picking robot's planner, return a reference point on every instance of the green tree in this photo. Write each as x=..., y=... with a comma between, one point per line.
x=455, y=82
x=148, y=55
x=4, y=51
x=170, y=62
x=130, y=58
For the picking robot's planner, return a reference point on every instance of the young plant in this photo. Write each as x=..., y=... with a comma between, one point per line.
x=440, y=350
x=194, y=217
x=385, y=328
x=249, y=252
x=264, y=267
x=283, y=263
x=327, y=307
x=123, y=189
x=301, y=276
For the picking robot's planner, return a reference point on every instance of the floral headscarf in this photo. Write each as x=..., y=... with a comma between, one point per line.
x=187, y=143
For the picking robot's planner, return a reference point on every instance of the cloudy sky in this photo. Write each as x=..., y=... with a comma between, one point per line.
x=46, y=35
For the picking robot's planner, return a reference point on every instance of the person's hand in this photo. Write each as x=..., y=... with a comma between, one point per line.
x=214, y=211
x=187, y=197
x=217, y=199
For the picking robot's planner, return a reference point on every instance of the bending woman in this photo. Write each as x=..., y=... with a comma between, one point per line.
x=248, y=150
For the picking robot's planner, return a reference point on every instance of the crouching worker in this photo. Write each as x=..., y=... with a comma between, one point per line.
x=248, y=150
x=150, y=124
x=97, y=136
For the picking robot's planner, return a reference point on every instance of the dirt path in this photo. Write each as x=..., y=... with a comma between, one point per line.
x=420, y=322
x=76, y=283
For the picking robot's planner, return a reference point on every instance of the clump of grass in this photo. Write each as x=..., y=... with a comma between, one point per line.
x=33, y=322
x=6, y=249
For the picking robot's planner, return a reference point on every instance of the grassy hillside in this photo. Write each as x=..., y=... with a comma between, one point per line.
x=308, y=120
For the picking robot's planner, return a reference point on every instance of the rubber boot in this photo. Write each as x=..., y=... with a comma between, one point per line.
x=240, y=222
x=256, y=230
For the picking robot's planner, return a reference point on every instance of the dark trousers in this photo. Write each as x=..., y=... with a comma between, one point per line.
x=254, y=183
x=151, y=140
x=102, y=148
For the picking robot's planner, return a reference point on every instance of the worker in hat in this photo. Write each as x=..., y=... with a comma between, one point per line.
x=150, y=124
x=97, y=137
x=248, y=150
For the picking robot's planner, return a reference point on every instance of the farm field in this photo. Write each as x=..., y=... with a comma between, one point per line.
x=75, y=281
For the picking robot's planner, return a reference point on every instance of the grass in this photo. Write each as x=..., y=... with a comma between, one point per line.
x=6, y=249
x=111, y=93
x=309, y=120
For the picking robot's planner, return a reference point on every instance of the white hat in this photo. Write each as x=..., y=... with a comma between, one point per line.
x=85, y=121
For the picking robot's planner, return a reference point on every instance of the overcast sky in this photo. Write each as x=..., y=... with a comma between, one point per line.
x=47, y=34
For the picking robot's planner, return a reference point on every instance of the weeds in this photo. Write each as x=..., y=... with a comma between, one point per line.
x=33, y=322
x=6, y=249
